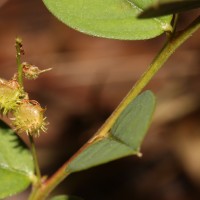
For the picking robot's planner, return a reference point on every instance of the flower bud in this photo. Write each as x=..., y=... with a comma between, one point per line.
x=29, y=118
x=31, y=71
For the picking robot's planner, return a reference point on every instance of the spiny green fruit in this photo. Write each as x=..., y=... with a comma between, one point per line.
x=29, y=118
x=10, y=95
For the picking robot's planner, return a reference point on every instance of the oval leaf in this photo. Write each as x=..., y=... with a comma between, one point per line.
x=16, y=163
x=124, y=138
x=110, y=19
x=166, y=7
x=66, y=197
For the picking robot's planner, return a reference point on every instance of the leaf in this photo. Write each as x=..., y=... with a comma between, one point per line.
x=65, y=197
x=16, y=163
x=124, y=138
x=115, y=19
x=166, y=7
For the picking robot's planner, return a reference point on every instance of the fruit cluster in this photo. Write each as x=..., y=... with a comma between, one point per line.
x=26, y=115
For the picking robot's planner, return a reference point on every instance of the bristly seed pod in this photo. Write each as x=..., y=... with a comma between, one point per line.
x=10, y=95
x=29, y=118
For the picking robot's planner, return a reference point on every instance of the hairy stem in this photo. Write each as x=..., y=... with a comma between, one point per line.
x=19, y=51
x=157, y=63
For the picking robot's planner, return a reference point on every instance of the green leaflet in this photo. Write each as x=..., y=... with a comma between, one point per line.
x=115, y=19
x=124, y=138
x=16, y=164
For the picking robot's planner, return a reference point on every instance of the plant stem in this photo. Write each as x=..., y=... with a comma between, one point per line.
x=157, y=63
x=35, y=160
x=19, y=51
x=175, y=20
x=168, y=49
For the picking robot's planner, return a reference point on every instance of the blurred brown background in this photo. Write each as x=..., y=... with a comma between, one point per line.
x=89, y=78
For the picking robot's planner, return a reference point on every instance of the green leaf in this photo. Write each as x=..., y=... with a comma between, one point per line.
x=65, y=197
x=16, y=163
x=115, y=19
x=124, y=138
x=166, y=7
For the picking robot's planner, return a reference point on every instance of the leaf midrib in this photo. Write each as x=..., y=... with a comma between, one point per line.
x=141, y=10
x=14, y=170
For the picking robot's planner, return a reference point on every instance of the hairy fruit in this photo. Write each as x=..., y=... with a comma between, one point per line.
x=29, y=118
x=10, y=95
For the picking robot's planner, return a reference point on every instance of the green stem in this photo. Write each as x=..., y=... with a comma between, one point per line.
x=157, y=63
x=175, y=20
x=35, y=160
x=18, y=46
x=19, y=51
x=168, y=49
